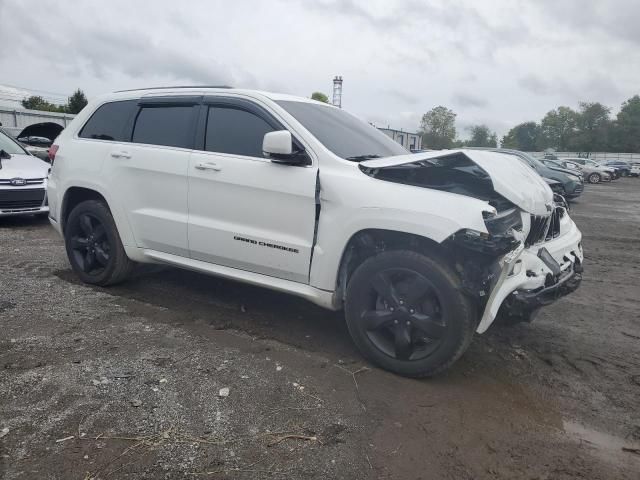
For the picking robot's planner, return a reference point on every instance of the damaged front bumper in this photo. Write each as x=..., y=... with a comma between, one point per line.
x=532, y=277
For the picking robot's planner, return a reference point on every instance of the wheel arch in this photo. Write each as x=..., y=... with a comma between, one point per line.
x=75, y=194
x=370, y=241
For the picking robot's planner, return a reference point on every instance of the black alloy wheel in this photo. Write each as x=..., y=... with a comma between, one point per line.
x=89, y=244
x=408, y=312
x=406, y=320
x=93, y=245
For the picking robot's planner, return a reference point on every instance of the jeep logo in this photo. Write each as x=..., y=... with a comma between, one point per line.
x=18, y=182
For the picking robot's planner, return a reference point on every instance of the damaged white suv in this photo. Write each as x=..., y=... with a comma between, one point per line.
x=421, y=250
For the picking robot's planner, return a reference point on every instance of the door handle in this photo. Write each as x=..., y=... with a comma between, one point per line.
x=208, y=166
x=121, y=155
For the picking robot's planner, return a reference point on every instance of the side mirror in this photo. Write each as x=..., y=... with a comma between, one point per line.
x=278, y=147
x=4, y=155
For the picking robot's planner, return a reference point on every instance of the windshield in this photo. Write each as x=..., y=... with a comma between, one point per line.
x=342, y=133
x=9, y=145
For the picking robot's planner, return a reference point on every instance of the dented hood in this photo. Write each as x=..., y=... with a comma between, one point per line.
x=511, y=178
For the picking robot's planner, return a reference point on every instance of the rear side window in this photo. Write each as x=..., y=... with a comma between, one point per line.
x=171, y=126
x=235, y=131
x=109, y=122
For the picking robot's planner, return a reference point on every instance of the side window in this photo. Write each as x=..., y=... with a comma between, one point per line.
x=235, y=131
x=109, y=121
x=171, y=126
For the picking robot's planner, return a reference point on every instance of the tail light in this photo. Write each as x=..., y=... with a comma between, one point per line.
x=53, y=149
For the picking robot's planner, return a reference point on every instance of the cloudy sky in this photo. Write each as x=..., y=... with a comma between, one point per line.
x=499, y=62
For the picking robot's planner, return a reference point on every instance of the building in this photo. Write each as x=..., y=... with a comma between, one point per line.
x=15, y=120
x=410, y=141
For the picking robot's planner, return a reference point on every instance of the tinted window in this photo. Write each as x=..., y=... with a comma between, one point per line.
x=109, y=121
x=166, y=125
x=230, y=130
x=342, y=133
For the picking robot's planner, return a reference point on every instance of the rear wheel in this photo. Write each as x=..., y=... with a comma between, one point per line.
x=406, y=313
x=93, y=245
x=595, y=178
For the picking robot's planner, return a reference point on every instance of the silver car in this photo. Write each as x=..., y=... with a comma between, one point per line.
x=590, y=173
x=23, y=180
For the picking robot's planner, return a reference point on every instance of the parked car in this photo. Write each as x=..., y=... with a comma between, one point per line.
x=420, y=250
x=587, y=162
x=589, y=173
x=38, y=146
x=623, y=167
x=572, y=182
x=635, y=169
x=22, y=180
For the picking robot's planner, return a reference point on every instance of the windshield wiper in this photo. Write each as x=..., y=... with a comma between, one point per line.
x=359, y=158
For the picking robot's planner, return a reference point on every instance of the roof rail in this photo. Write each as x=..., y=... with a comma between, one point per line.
x=170, y=87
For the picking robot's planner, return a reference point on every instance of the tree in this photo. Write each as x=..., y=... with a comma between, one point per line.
x=558, y=129
x=319, y=96
x=76, y=102
x=438, y=128
x=627, y=126
x=36, y=102
x=593, y=127
x=522, y=137
x=481, y=136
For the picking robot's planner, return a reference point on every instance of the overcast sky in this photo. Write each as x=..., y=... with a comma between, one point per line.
x=496, y=62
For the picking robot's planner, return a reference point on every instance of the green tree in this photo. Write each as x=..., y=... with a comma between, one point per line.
x=438, y=128
x=319, y=96
x=593, y=127
x=76, y=102
x=522, y=137
x=481, y=136
x=36, y=102
x=627, y=126
x=558, y=129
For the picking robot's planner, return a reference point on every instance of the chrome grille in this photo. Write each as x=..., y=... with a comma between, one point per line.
x=30, y=181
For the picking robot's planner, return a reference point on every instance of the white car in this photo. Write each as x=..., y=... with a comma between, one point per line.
x=420, y=250
x=23, y=180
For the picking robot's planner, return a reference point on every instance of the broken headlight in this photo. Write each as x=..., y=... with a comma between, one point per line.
x=501, y=223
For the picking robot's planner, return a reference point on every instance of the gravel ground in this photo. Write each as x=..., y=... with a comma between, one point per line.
x=129, y=382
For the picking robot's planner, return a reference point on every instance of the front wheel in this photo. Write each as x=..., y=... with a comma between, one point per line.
x=406, y=313
x=594, y=178
x=93, y=245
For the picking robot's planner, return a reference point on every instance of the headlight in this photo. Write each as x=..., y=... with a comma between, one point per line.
x=501, y=222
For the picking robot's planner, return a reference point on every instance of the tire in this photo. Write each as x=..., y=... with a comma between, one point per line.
x=399, y=328
x=624, y=173
x=595, y=178
x=93, y=245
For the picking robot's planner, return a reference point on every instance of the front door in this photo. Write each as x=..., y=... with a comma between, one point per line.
x=245, y=211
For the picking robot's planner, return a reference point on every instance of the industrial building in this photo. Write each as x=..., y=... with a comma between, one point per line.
x=410, y=141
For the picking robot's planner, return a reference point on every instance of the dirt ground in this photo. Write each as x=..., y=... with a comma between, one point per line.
x=125, y=382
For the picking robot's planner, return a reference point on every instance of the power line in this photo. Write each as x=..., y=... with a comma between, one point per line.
x=53, y=97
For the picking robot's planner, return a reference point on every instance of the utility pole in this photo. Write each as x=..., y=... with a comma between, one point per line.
x=337, y=91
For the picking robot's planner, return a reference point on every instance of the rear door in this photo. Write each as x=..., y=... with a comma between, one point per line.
x=151, y=172
x=245, y=211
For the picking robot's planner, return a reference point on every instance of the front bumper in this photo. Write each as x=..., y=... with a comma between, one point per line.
x=24, y=200
x=536, y=276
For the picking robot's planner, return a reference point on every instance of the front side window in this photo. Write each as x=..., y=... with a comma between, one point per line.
x=235, y=131
x=109, y=122
x=345, y=135
x=170, y=126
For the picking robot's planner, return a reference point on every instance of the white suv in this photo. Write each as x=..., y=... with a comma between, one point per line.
x=421, y=250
